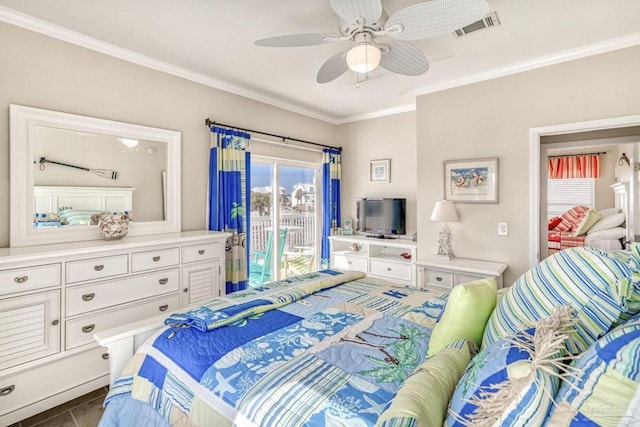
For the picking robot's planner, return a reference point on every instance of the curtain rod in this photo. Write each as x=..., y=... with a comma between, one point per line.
x=210, y=122
x=581, y=154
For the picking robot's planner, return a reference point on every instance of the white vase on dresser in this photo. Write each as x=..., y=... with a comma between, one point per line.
x=54, y=298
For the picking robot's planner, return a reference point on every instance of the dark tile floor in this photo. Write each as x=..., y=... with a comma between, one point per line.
x=84, y=411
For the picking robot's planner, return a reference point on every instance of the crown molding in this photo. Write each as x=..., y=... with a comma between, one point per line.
x=376, y=114
x=540, y=62
x=31, y=23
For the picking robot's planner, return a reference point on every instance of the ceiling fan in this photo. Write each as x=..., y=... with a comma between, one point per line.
x=381, y=40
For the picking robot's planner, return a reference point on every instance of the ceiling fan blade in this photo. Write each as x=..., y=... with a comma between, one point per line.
x=299, y=40
x=333, y=68
x=403, y=58
x=370, y=10
x=435, y=17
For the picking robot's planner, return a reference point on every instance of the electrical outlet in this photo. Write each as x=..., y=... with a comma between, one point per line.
x=503, y=229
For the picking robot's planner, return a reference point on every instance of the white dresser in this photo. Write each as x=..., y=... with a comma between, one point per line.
x=381, y=258
x=443, y=272
x=54, y=298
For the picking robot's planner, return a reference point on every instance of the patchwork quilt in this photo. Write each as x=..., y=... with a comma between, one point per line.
x=324, y=348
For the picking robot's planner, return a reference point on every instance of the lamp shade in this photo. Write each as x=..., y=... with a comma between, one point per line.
x=363, y=58
x=444, y=210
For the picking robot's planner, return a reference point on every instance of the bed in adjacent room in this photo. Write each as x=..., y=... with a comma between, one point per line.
x=325, y=348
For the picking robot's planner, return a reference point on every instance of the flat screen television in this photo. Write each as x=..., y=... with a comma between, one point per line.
x=381, y=217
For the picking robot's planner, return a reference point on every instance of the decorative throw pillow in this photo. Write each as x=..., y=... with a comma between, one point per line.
x=587, y=221
x=439, y=375
x=468, y=308
x=602, y=289
x=571, y=217
x=603, y=385
x=553, y=222
x=609, y=221
x=512, y=382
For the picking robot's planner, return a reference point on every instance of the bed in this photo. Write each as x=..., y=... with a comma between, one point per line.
x=582, y=226
x=324, y=348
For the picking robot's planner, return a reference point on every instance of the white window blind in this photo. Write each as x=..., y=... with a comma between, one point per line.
x=563, y=194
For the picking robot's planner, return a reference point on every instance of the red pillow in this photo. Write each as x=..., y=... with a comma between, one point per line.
x=553, y=222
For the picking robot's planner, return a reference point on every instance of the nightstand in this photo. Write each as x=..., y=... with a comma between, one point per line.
x=446, y=273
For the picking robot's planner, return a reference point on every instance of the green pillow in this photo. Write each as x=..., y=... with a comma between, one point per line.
x=468, y=308
x=424, y=396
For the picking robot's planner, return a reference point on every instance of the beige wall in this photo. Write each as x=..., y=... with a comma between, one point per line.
x=42, y=72
x=391, y=137
x=493, y=118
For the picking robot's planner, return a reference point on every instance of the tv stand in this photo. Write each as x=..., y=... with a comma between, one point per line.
x=381, y=236
x=377, y=257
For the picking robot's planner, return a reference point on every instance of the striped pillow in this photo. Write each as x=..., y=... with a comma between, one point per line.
x=571, y=217
x=601, y=288
x=512, y=381
x=605, y=390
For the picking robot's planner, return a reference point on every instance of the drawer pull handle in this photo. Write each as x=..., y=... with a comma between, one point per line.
x=55, y=322
x=88, y=328
x=156, y=258
x=439, y=279
x=21, y=279
x=201, y=252
x=163, y=307
x=185, y=290
x=389, y=269
x=7, y=390
x=88, y=297
x=105, y=356
x=349, y=262
x=163, y=281
x=99, y=267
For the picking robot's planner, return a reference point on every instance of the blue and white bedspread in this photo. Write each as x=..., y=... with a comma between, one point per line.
x=325, y=348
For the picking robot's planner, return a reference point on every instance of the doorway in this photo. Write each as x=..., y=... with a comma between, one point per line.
x=619, y=126
x=284, y=219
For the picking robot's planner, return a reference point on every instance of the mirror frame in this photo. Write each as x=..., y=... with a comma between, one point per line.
x=23, y=161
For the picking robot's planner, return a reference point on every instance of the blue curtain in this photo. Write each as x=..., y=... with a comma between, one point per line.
x=331, y=172
x=229, y=177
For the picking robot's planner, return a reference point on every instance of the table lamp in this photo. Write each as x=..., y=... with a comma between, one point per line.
x=444, y=211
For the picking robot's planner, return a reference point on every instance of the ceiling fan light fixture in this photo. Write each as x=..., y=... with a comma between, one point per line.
x=363, y=58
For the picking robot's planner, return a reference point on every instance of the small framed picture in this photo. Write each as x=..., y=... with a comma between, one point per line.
x=471, y=181
x=380, y=171
x=347, y=227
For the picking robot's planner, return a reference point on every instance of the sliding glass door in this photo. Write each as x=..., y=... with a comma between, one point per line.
x=284, y=219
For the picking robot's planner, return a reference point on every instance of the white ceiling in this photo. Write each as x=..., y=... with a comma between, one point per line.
x=211, y=41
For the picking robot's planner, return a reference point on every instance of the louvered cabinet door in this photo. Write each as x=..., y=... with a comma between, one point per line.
x=200, y=282
x=29, y=327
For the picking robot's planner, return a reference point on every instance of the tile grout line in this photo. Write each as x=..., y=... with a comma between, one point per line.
x=73, y=418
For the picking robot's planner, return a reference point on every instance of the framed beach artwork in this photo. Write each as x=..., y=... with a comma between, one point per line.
x=379, y=171
x=471, y=180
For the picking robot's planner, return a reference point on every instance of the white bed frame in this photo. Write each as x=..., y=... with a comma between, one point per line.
x=48, y=199
x=123, y=341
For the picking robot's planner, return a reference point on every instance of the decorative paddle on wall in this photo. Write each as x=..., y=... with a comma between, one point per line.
x=105, y=173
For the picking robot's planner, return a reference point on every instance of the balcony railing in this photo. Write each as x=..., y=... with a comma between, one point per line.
x=301, y=230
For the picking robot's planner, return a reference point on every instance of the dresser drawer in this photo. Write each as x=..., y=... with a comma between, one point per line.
x=440, y=278
x=390, y=269
x=28, y=278
x=80, y=331
x=26, y=387
x=161, y=258
x=201, y=252
x=81, y=299
x=463, y=278
x=347, y=262
x=96, y=268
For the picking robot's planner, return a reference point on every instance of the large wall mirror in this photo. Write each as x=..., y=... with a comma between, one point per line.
x=65, y=167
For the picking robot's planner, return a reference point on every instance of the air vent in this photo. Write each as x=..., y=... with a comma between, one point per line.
x=491, y=20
